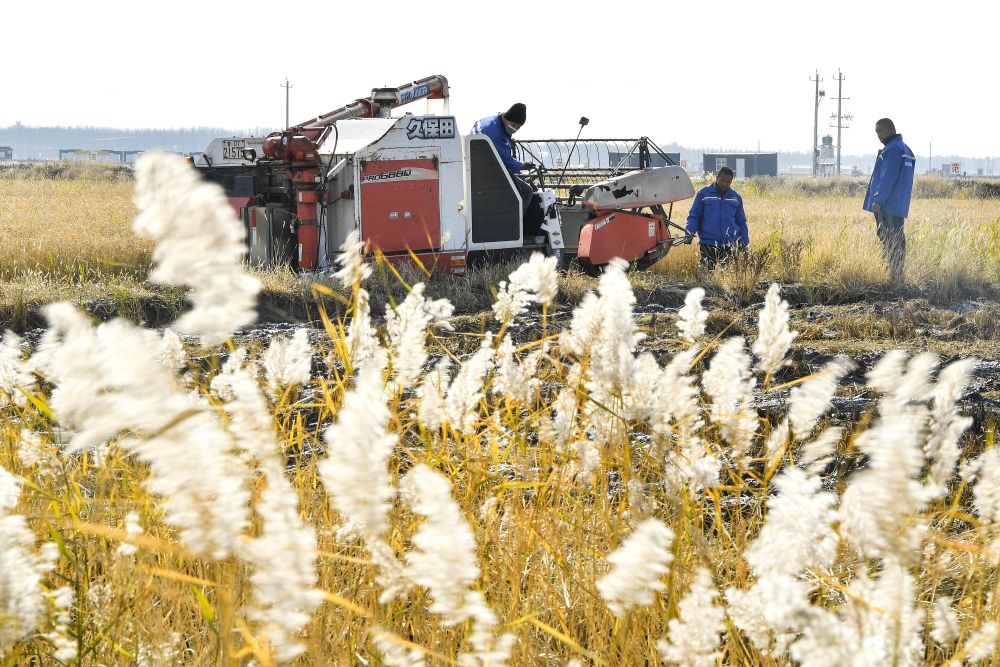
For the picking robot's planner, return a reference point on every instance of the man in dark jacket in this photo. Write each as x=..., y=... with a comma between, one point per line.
x=500, y=128
x=888, y=196
x=718, y=218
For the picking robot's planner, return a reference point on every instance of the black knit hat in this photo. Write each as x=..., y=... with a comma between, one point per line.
x=516, y=113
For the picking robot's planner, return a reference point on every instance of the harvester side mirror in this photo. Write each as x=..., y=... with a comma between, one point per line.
x=584, y=121
x=249, y=154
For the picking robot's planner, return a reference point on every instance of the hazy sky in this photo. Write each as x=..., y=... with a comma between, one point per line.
x=699, y=73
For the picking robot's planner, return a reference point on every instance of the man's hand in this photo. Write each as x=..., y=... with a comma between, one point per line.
x=688, y=239
x=876, y=208
x=528, y=166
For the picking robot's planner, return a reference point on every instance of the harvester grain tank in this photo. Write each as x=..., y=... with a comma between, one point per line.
x=419, y=190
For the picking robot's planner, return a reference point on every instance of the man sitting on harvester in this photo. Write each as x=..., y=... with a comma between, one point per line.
x=500, y=128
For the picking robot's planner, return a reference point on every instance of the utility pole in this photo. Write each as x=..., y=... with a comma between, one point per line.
x=819, y=95
x=930, y=158
x=286, y=86
x=841, y=117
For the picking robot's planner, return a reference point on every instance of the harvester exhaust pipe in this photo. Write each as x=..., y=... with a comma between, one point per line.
x=385, y=99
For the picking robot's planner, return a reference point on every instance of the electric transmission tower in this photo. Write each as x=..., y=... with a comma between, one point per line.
x=819, y=96
x=839, y=117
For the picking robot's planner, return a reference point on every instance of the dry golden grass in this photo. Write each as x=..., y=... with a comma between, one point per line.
x=827, y=242
x=65, y=234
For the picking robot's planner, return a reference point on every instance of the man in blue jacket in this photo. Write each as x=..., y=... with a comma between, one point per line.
x=888, y=196
x=718, y=218
x=500, y=129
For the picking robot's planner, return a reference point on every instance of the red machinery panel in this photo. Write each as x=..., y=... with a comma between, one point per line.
x=400, y=206
x=620, y=234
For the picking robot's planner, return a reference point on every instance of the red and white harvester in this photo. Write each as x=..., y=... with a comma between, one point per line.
x=418, y=189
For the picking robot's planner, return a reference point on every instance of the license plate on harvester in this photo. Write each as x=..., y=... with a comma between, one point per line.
x=232, y=149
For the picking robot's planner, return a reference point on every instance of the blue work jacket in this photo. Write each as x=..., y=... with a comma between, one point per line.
x=892, y=179
x=493, y=127
x=718, y=220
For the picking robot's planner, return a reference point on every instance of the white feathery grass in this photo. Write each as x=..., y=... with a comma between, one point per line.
x=588, y=457
x=876, y=508
x=134, y=529
x=776, y=444
x=559, y=428
x=983, y=642
x=362, y=340
x=638, y=566
x=810, y=400
x=897, y=625
x=252, y=424
x=289, y=361
x=22, y=601
x=729, y=382
x=535, y=281
x=431, y=409
x=986, y=490
x=109, y=382
x=283, y=557
x=814, y=453
x=612, y=359
x=584, y=327
x=407, y=330
x=394, y=652
x=693, y=467
x=171, y=352
x=691, y=318
x=640, y=400
x=945, y=626
x=354, y=269
x=539, y=277
x=355, y=473
x=678, y=398
x=798, y=534
x=774, y=338
x=693, y=637
x=769, y=610
x=65, y=645
x=14, y=372
x=466, y=389
x=946, y=425
x=443, y=560
x=517, y=381
x=355, y=469
x=199, y=244
x=900, y=383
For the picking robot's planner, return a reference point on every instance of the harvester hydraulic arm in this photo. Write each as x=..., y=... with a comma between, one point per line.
x=299, y=147
x=287, y=145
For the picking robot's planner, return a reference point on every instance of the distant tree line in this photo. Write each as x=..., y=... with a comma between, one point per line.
x=44, y=143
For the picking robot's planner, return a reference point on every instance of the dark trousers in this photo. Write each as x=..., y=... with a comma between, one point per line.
x=525, y=190
x=890, y=232
x=714, y=254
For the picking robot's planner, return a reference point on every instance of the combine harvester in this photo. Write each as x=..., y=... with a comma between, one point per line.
x=419, y=190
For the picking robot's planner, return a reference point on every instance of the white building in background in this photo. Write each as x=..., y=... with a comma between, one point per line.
x=98, y=155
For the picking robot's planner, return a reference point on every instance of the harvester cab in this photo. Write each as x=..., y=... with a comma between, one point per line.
x=418, y=190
